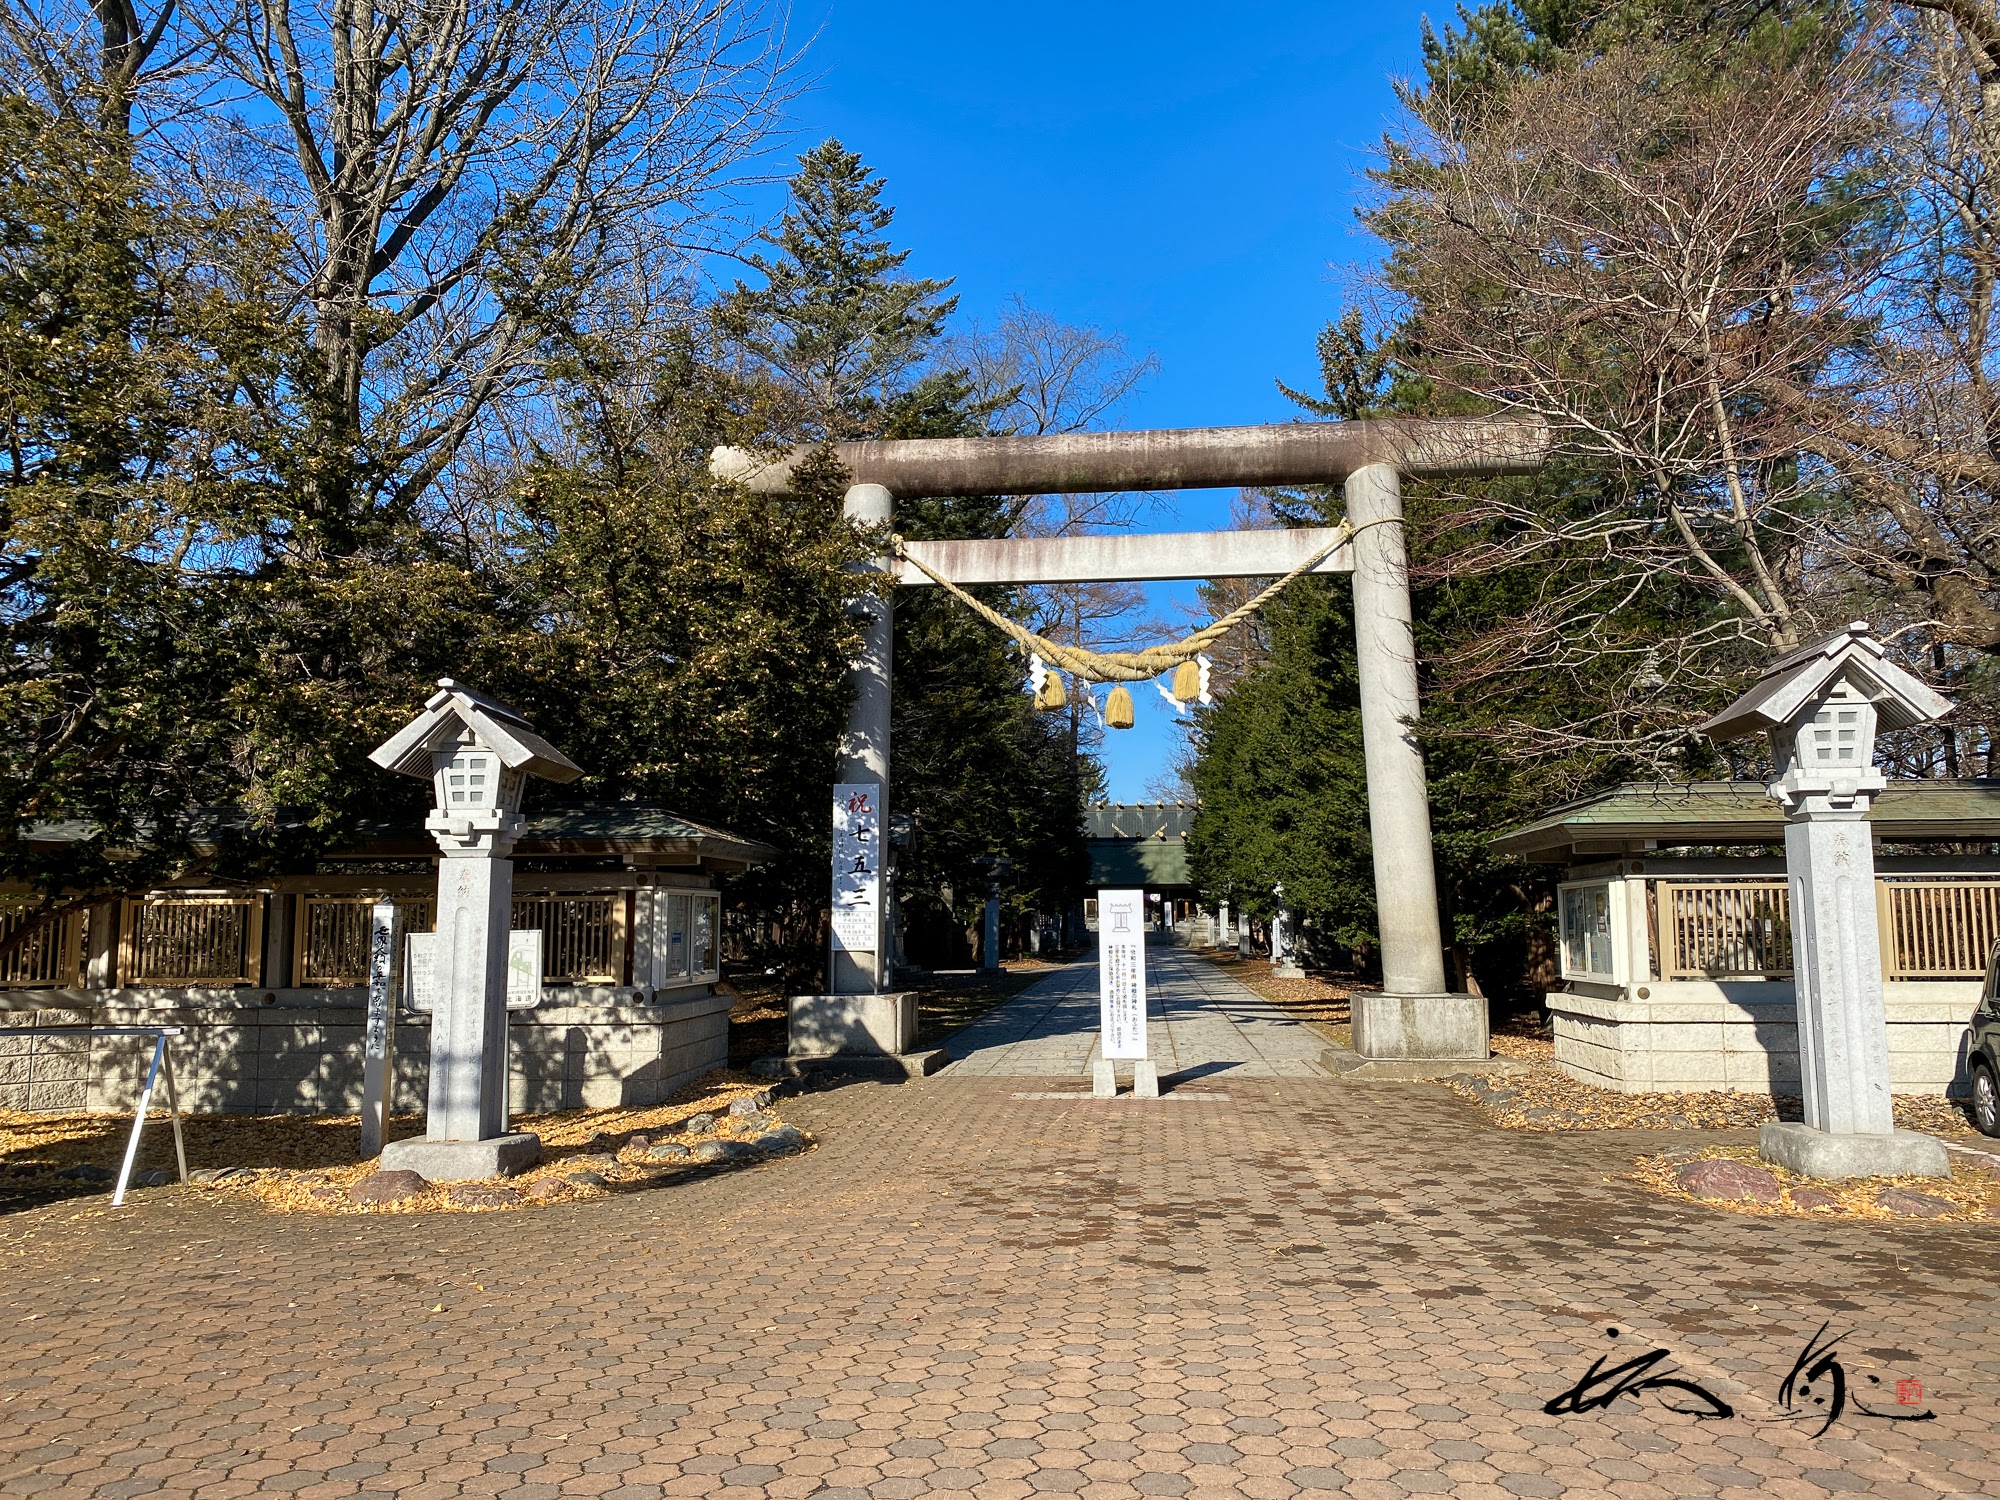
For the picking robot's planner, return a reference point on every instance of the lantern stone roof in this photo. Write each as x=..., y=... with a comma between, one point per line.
x=1792, y=683
x=1643, y=816
x=454, y=708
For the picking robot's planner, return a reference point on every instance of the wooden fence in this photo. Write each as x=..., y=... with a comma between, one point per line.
x=192, y=940
x=1929, y=929
x=51, y=959
x=1727, y=930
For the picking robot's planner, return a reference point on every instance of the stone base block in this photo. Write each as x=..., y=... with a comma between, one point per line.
x=1421, y=1028
x=1818, y=1153
x=1145, y=1079
x=1342, y=1063
x=1287, y=970
x=855, y=1065
x=462, y=1161
x=853, y=1025
x=1104, y=1078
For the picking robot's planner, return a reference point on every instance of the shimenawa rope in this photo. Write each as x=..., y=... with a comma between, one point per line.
x=1122, y=666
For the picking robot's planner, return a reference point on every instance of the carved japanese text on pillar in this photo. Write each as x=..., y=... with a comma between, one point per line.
x=857, y=865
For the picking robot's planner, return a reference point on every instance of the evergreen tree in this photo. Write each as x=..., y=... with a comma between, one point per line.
x=839, y=344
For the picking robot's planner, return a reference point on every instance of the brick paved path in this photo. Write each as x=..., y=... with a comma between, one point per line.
x=1201, y=1024
x=1305, y=1286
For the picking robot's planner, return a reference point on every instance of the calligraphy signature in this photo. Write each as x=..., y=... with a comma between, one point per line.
x=1817, y=1379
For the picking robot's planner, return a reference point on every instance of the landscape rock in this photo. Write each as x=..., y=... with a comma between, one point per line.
x=217, y=1176
x=327, y=1195
x=88, y=1171
x=668, y=1151
x=696, y=1124
x=1912, y=1204
x=714, y=1151
x=154, y=1177
x=587, y=1178
x=640, y=1141
x=544, y=1188
x=755, y=1122
x=1729, y=1180
x=1811, y=1198
x=397, y=1186
x=749, y=1104
x=782, y=1141
x=595, y=1161
x=482, y=1195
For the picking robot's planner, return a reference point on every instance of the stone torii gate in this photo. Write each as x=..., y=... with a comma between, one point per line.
x=1415, y=1016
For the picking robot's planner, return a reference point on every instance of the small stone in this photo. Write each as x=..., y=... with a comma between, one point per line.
x=595, y=1161
x=668, y=1151
x=754, y=1123
x=714, y=1151
x=220, y=1176
x=398, y=1186
x=698, y=1123
x=1728, y=1180
x=749, y=1104
x=782, y=1141
x=1813, y=1198
x=1913, y=1205
x=88, y=1171
x=640, y=1142
x=156, y=1177
x=587, y=1178
x=326, y=1195
x=482, y=1195
x=542, y=1189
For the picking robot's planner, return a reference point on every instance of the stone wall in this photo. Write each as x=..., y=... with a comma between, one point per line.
x=302, y=1053
x=1691, y=1036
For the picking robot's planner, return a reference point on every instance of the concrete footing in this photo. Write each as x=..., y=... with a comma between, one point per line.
x=1421, y=1028
x=852, y=1025
x=463, y=1161
x=1104, y=1079
x=1145, y=1079
x=1820, y=1153
x=1342, y=1063
x=892, y=1066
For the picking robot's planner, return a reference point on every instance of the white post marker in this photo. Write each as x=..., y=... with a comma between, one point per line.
x=1121, y=995
x=378, y=1055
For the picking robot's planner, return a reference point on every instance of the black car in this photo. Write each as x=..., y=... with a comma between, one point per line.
x=1984, y=1063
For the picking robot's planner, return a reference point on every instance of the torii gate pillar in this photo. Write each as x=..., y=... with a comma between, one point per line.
x=854, y=968
x=1415, y=1016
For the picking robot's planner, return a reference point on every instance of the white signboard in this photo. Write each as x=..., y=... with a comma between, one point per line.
x=524, y=971
x=857, y=866
x=1121, y=972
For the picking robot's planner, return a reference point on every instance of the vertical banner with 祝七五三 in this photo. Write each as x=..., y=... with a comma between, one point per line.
x=857, y=866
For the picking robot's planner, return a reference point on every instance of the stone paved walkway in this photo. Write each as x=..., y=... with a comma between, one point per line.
x=1201, y=1024
x=1305, y=1287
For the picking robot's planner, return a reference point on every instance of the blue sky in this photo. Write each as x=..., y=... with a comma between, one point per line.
x=1185, y=175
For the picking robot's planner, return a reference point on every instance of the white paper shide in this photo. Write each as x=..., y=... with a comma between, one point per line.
x=1121, y=972
x=857, y=866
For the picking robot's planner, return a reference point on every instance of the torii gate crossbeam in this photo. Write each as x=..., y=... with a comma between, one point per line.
x=1415, y=1016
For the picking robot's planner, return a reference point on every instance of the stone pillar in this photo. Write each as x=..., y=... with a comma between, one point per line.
x=465, y=1132
x=989, y=948
x=864, y=746
x=1225, y=935
x=1850, y=1124
x=1415, y=1016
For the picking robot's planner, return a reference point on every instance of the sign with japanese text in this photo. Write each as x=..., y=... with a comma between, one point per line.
x=524, y=970
x=857, y=866
x=1121, y=972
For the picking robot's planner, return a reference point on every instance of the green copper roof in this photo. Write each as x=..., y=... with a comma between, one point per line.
x=1642, y=815
x=1138, y=844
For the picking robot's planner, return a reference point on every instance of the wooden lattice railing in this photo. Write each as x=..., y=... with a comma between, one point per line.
x=52, y=958
x=1719, y=930
x=1938, y=929
x=192, y=940
x=332, y=946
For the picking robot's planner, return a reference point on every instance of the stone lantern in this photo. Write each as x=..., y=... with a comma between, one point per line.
x=1821, y=708
x=478, y=755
